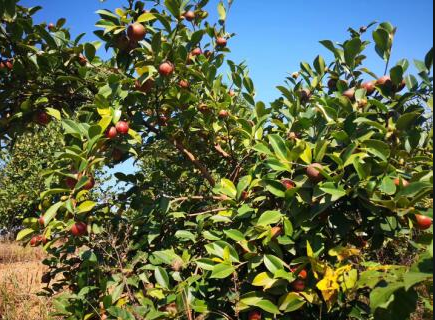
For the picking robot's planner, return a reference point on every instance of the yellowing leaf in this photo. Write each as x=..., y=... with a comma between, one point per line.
x=264, y=280
x=343, y=253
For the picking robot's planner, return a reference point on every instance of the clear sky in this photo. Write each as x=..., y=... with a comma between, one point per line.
x=275, y=36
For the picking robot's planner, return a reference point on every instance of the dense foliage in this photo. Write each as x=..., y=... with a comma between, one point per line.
x=317, y=206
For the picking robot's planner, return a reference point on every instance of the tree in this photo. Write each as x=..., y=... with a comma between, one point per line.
x=253, y=210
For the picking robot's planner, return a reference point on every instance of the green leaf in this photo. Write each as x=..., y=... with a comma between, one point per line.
x=173, y=7
x=222, y=11
x=86, y=206
x=24, y=233
x=162, y=277
x=255, y=299
x=396, y=74
x=380, y=296
x=382, y=40
x=222, y=271
x=291, y=302
x=320, y=65
x=265, y=280
x=273, y=264
x=90, y=51
x=351, y=49
x=377, y=148
x=235, y=235
x=269, y=218
x=145, y=17
x=337, y=192
x=51, y=212
x=406, y=120
x=388, y=186
x=228, y=188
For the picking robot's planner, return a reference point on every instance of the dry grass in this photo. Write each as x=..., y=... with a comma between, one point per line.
x=20, y=281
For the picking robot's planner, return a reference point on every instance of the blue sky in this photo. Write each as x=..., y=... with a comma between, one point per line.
x=275, y=36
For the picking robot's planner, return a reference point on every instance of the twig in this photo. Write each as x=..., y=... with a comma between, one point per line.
x=205, y=212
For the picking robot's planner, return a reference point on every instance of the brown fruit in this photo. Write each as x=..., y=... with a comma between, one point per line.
x=332, y=84
x=79, y=229
x=313, y=173
x=90, y=183
x=295, y=75
x=136, y=32
x=245, y=195
x=190, y=16
x=82, y=60
x=298, y=285
x=42, y=118
x=111, y=133
x=184, y=84
x=51, y=27
x=223, y=114
x=221, y=42
x=41, y=221
x=288, y=184
x=70, y=182
x=304, y=95
x=166, y=69
x=196, y=52
x=203, y=108
x=122, y=127
x=369, y=86
x=117, y=155
x=423, y=222
x=255, y=315
x=145, y=87
x=385, y=82
x=400, y=181
x=122, y=42
x=350, y=94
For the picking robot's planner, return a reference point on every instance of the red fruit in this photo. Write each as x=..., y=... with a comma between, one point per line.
x=111, y=133
x=51, y=27
x=423, y=222
x=313, y=173
x=398, y=182
x=292, y=135
x=166, y=69
x=41, y=221
x=276, y=232
x=223, y=114
x=42, y=118
x=117, y=155
x=2, y=65
x=350, y=94
x=203, y=108
x=303, y=274
x=255, y=315
x=385, y=81
x=244, y=195
x=190, y=16
x=42, y=239
x=369, y=86
x=221, y=42
x=184, y=84
x=298, y=285
x=163, y=121
x=288, y=184
x=82, y=60
x=122, y=127
x=232, y=93
x=79, y=229
x=196, y=52
x=35, y=241
x=136, y=32
x=70, y=182
x=90, y=183
x=9, y=64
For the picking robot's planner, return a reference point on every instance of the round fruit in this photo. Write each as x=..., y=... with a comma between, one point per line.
x=163, y=121
x=304, y=95
x=90, y=183
x=184, y=84
x=51, y=27
x=41, y=221
x=288, y=184
x=221, y=42
x=145, y=87
x=79, y=229
x=196, y=52
x=399, y=181
x=276, y=232
x=232, y=93
x=350, y=94
x=292, y=135
x=111, y=133
x=295, y=75
x=203, y=108
x=42, y=239
x=423, y=222
x=313, y=172
x=136, y=32
x=82, y=60
x=34, y=241
x=385, y=81
x=70, y=182
x=298, y=285
x=42, y=118
x=166, y=69
x=244, y=195
x=9, y=64
x=332, y=84
x=303, y=274
x=117, y=155
x=369, y=86
x=190, y=16
x=223, y=114
x=255, y=315
x=122, y=42
x=122, y=127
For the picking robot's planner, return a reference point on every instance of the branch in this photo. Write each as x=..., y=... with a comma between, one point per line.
x=205, y=212
x=221, y=151
x=204, y=171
